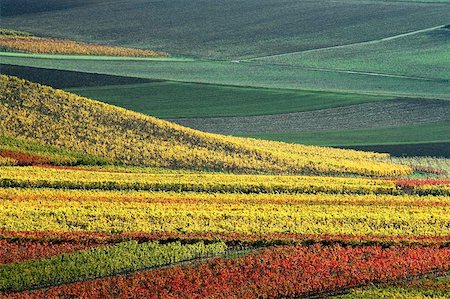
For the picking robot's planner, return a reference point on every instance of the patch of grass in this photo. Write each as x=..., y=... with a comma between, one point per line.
x=178, y=100
x=224, y=29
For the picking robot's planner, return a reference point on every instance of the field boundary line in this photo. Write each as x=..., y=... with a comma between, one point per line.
x=344, y=71
x=370, y=42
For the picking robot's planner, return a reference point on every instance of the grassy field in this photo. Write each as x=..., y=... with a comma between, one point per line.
x=230, y=29
x=180, y=100
x=421, y=55
x=251, y=74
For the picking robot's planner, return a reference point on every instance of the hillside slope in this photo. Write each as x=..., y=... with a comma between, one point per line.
x=39, y=113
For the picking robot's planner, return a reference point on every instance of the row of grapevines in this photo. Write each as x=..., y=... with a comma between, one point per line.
x=37, y=177
x=281, y=272
x=99, y=262
x=84, y=238
x=190, y=215
x=6, y=161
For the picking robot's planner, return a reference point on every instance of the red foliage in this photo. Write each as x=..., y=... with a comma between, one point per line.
x=287, y=271
x=24, y=159
x=13, y=251
x=404, y=183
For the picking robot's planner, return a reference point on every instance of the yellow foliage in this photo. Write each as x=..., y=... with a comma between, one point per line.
x=53, y=117
x=198, y=182
x=40, y=45
x=34, y=210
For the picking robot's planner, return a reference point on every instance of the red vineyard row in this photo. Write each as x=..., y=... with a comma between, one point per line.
x=285, y=271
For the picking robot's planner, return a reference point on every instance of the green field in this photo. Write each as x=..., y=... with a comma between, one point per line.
x=222, y=29
x=432, y=132
x=179, y=100
x=251, y=74
x=424, y=55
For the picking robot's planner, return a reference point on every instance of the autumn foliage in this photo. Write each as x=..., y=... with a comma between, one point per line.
x=290, y=271
x=17, y=41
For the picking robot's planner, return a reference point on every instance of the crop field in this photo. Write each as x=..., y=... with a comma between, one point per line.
x=225, y=149
x=424, y=54
x=203, y=28
x=214, y=108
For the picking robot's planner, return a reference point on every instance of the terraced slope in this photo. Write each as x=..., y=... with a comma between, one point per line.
x=54, y=117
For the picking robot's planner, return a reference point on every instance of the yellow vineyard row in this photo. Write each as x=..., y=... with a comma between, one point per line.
x=15, y=176
x=29, y=210
x=32, y=44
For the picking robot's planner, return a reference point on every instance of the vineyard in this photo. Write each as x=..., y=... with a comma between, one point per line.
x=11, y=40
x=101, y=202
x=37, y=113
x=120, y=231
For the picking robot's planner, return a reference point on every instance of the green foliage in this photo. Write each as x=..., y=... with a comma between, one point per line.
x=100, y=262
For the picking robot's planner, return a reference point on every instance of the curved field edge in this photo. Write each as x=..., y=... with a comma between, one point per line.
x=42, y=114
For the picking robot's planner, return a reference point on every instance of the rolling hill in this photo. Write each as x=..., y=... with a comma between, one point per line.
x=222, y=29
x=42, y=114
